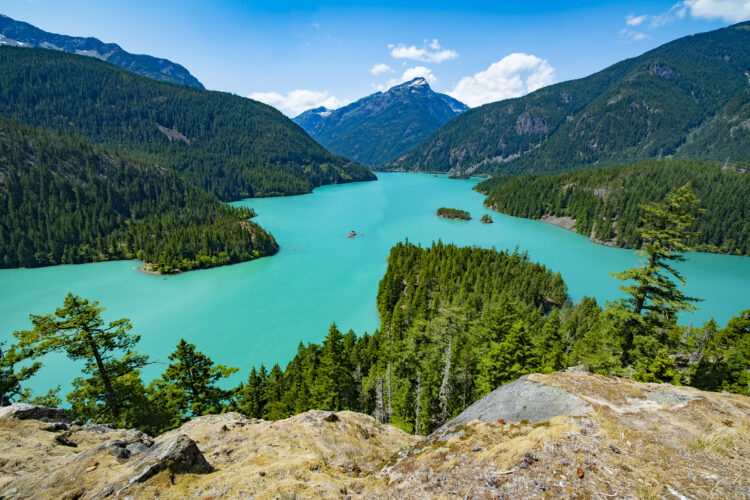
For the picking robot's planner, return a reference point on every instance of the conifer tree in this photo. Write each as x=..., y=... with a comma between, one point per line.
x=550, y=350
x=334, y=384
x=113, y=391
x=190, y=383
x=10, y=379
x=250, y=402
x=653, y=299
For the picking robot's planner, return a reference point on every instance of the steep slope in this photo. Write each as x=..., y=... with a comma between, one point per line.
x=382, y=126
x=640, y=108
x=559, y=435
x=65, y=202
x=230, y=146
x=20, y=34
x=724, y=137
x=606, y=203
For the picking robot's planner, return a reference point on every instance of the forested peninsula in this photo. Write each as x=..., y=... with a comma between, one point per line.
x=65, y=201
x=606, y=204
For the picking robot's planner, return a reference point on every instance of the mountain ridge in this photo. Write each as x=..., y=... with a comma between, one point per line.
x=229, y=145
x=380, y=127
x=22, y=34
x=639, y=108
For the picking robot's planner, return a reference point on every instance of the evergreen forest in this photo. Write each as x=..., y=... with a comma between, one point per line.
x=230, y=146
x=65, y=201
x=607, y=203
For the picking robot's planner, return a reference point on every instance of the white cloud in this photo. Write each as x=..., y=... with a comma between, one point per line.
x=635, y=20
x=512, y=76
x=297, y=101
x=379, y=69
x=633, y=35
x=431, y=51
x=731, y=11
x=409, y=74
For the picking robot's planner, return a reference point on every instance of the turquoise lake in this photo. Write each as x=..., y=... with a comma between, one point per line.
x=259, y=311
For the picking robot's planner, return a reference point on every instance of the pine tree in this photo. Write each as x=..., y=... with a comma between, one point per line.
x=10, y=379
x=654, y=299
x=334, y=385
x=551, y=347
x=190, y=383
x=250, y=402
x=113, y=391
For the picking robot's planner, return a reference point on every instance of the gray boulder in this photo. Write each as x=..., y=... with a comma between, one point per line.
x=25, y=411
x=520, y=400
x=179, y=455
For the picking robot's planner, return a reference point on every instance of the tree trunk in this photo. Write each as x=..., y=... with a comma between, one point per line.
x=418, y=404
x=111, y=396
x=445, y=390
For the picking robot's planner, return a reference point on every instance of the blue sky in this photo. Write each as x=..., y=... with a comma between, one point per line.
x=297, y=55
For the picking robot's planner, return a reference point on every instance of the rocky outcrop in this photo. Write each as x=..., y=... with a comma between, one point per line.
x=518, y=401
x=526, y=124
x=24, y=411
x=557, y=435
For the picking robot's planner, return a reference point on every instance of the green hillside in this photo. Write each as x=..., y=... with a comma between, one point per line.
x=65, y=201
x=672, y=100
x=231, y=146
x=605, y=203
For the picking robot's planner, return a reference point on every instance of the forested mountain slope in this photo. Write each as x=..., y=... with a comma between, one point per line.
x=64, y=201
x=228, y=145
x=20, y=34
x=687, y=92
x=380, y=127
x=606, y=203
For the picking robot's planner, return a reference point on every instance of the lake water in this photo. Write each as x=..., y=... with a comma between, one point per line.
x=258, y=312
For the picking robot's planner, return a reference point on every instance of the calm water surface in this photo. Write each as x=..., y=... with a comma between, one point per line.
x=259, y=311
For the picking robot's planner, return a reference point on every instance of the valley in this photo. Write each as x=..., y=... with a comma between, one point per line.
x=323, y=275
x=258, y=312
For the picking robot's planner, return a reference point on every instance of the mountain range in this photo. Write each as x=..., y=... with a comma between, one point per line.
x=383, y=126
x=688, y=98
x=229, y=145
x=19, y=34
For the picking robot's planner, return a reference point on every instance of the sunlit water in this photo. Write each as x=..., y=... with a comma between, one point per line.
x=258, y=312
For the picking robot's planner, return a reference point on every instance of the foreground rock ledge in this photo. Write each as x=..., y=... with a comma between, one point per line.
x=559, y=435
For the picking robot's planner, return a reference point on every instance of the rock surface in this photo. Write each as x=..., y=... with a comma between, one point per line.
x=24, y=411
x=518, y=401
x=558, y=435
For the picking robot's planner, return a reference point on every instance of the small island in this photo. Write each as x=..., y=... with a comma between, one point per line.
x=453, y=213
x=486, y=219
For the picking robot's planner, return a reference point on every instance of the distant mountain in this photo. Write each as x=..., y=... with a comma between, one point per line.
x=689, y=98
x=20, y=34
x=312, y=117
x=231, y=146
x=382, y=126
